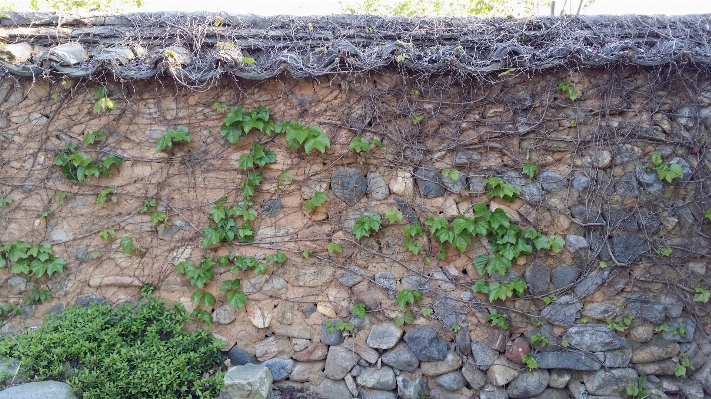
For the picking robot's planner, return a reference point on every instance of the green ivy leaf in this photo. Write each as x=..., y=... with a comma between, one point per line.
x=319, y=141
x=317, y=200
x=126, y=244
x=393, y=216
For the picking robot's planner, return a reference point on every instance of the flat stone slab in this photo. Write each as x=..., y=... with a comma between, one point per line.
x=39, y=390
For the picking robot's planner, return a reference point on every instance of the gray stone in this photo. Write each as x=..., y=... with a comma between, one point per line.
x=426, y=344
x=463, y=340
x=685, y=167
x=357, y=369
x=591, y=282
x=624, y=153
x=272, y=207
x=648, y=221
x=371, y=377
x=649, y=180
x=384, y=336
x=349, y=185
x=585, y=215
x=627, y=186
x=416, y=282
x=538, y=277
x=703, y=376
x=56, y=308
x=600, y=311
x=515, y=177
x=351, y=384
x=620, y=218
x=476, y=184
x=455, y=186
x=673, y=306
x=618, y=358
x=40, y=390
x=367, y=393
x=610, y=382
x=551, y=181
x=692, y=390
x=475, y=377
x=16, y=284
x=643, y=307
x=448, y=311
x=223, y=315
x=656, y=349
x=626, y=247
x=688, y=326
x=452, y=381
x=440, y=280
x=664, y=367
x=411, y=388
x=332, y=337
x=550, y=393
x=575, y=243
x=240, y=357
x=567, y=360
x=503, y=371
x=429, y=182
x=484, y=355
x=554, y=342
x=339, y=362
x=563, y=276
x=280, y=368
x=401, y=357
x=528, y=384
x=532, y=192
x=438, y=367
x=91, y=299
x=493, y=392
x=377, y=187
x=250, y=381
x=559, y=378
x=350, y=276
x=331, y=389
x=593, y=338
x=580, y=182
x=466, y=157
x=562, y=311
x=386, y=280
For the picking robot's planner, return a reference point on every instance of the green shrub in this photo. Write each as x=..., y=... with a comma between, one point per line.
x=125, y=352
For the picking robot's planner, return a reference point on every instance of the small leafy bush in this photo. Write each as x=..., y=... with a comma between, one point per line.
x=225, y=228
x=239, y=122
x=256, y=157
x=126, y=244
x=358, y=310
x=451, y=174
x=411, y=241
x=497, y=319
x=5, y=201
x=393, y=216
x=499, y=188
x=172, y=136
x=77, y=166
x=91, y=137
x=407, y=297
x=366, y=225
x=298, y=135
x=335, y=248
x=125, y=352
x=107, y=234
x=359, y=145
x=34, y=260
x=683, y=365
x=666, y=171
x=621, y=326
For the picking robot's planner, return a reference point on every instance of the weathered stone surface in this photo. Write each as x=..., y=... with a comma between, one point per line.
x=626, y=248
x=591, y=282
x=503, y=371
x=618, y=358
x=91, y=299
x=455, y=186
x=624, y=153
x=451, y=363
x=429, y=182
x=331, y=389
x=303, y=371
x=688, y=326
x=627, y=186
x=240, y=357
x=466, y=157
x=538, y=277
x=447, y=310
x=593, y=338
x=362, y=349
x=339, y=362
x=643, y=333
x=484, y=355
x=564, y=275
x=330, y=335
x=585, y=215
x=315, y=351
x=550, y=393
x=426, y=344
x=643, y=307
x=559, y=378
x=225, y=314
x=452, y=381
x=580, y=182
x=377, y=187
x=411, y=388
x=519, y=347
x=367, y=393
x=551, y=181
x=384, y=336
x=272, y=207
x=280, y=368
x=620, y=218
x=610, y=382
x=307, y=272
x=350, y=276
x=575, y=243
x=493, y=392
x=562, y=311
x=703, y=376
x=692, y=390
x=272, y=347
x=475, y=377
x=462, y=339
x=401, y=357
x=40, y=390
x=655, y=350
x=349, y=185
x=663, y=367
x=649, y=180
x=528, y=384
x=250, y=381
x=567, y=360
x=386, y=280
x=372, y=377
x=532, y=192
x=600, y=311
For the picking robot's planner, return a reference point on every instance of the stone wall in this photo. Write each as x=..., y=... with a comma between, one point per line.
x=633, y=245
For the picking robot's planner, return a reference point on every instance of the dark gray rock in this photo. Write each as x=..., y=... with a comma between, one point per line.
x=377, y=187
x=407, y=211
x=703, y=376
x=240, y=357
x=593, y=338
x=618, y=358
x=624, y=153
x=551, y=181
x=626, y=247
x=386, y=280
x=350, y=276
x=463, y=340
x=528, y=384
x=600, y=311
x=56, y=308
x=689, y=327
x=272, y=207
x=516, y=178
x=280, y=368
x=591, y=282
x=643, y=307
x=401, y=358
x=447, y=310
x=649, y=180
x=648, y=221
x=563, y=276
x=476, y=184
x=429, y=182
x=585, y=215
x=411, y=388
x=91, y=299
x=466, y=157
x=339, y=362
x=452, y=381
x=39, y=390
x=620, y=218
x=554, y=342
x=384, y=336
x=332, y=337
x=627, y=186
x=532, y=192
x=475, y=377
x=580, y=182
x=685, y=167
x=538, y=277
x=366, y=393
x=416, y=282
x=551, y=393
x=610, y=382
x=575, y=243
x=426, y=344
x=491, y=391
x=455, y=186
x=308, y=310
x=664, y=367
x=331, y=389
x=572, y=360
x=349, y=185
x=562, y=311
x=374, y=378
x=484, y=355
x=673, y=306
